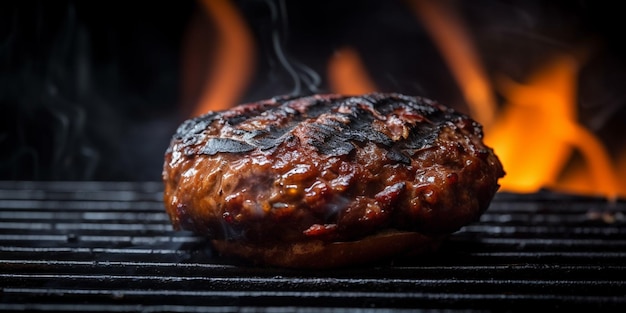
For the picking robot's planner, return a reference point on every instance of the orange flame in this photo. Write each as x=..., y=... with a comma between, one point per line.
x=537, y=132
x=448, y=33
x=347, y=75
x=233, y=63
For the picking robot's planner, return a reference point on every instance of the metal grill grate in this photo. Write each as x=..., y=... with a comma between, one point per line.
x=109, y=247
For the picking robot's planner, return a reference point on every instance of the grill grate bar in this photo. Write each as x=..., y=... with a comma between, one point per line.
x=103, y=238
x=138, y=283
x=335, y=299
x=86, y=217
x=502, y=272
x=146, y=308
x=424, y=268
x=269, y=293
x=90, y=251
x=82, y=205
x=308, y=282
x=63, y=227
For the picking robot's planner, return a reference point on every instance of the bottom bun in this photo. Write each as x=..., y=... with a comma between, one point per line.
x=319, y=254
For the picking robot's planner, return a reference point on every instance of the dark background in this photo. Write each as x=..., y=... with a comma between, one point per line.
x=91, y=90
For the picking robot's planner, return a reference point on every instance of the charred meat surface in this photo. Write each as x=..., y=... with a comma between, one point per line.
x=328, y=168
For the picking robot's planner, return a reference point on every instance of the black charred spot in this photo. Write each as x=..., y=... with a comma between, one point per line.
x=361, y=129
x=189, y=131
x=330, y=138
x=420, y=138
x=269, y=138
x=397, y=156
x=216, y=145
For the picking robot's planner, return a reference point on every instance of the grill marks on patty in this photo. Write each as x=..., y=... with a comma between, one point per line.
x=333, y=125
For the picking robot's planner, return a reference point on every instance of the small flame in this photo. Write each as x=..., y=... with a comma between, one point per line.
x=536, y=133
x=448, y=33
x=233, y=63
x=347, y=75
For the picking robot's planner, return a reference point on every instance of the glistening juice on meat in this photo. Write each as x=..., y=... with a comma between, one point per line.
x=329, y=180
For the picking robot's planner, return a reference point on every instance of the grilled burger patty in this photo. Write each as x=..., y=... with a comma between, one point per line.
x=328, y=180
